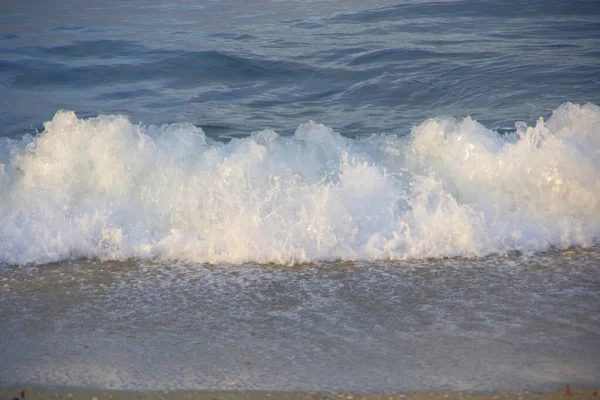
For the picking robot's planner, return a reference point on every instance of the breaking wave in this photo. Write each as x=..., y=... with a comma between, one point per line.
x=106, y=188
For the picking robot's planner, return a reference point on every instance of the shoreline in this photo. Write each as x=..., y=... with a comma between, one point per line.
x=48, y=393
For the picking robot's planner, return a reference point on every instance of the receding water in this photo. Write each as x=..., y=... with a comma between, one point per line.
x=498, y=323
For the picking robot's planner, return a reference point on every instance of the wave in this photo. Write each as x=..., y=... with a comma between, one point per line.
x=71, y=65
x=106, y=188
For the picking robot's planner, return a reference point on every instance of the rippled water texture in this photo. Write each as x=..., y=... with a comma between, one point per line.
x=236, y=67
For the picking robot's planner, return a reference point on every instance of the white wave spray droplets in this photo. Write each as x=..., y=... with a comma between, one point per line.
x=104, y=188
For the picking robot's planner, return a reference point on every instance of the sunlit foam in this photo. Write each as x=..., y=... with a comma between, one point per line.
x=106, y=188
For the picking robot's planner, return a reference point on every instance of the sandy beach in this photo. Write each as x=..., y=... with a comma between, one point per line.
x=78, y=394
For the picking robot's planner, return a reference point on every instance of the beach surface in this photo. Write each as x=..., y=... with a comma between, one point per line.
x=65, y=393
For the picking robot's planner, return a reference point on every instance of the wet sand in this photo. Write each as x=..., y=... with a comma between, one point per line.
x=27, y=393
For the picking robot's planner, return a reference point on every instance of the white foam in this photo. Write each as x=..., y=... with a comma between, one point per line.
x=105, y=188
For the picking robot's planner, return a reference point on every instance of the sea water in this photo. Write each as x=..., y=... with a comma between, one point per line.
x=295, y=195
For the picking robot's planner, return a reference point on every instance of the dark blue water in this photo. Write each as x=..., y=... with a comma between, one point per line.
x=235, y=67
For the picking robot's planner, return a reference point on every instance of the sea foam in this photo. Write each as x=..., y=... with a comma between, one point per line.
x=106, y=188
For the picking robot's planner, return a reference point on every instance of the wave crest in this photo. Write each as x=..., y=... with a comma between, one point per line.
x=105, y=188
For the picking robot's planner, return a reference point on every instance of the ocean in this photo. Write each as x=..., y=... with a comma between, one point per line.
x=303, y=195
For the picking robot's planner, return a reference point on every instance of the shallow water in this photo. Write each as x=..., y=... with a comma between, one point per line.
x=436, y=227
x=499, y=323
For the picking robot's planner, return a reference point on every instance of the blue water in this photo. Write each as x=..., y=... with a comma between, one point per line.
x=370, y=196
x=237, y=67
